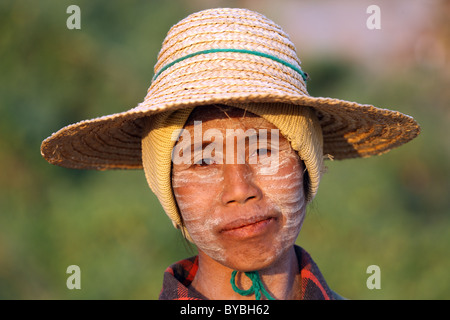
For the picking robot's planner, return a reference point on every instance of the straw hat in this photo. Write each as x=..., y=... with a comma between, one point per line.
x=233, y=57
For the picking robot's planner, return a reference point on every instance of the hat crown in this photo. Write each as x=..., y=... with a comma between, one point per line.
x=226, y=28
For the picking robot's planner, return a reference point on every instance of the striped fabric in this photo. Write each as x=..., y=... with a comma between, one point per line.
x=179, y=276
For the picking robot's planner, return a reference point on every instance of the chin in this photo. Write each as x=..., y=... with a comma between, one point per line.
x=255, y=258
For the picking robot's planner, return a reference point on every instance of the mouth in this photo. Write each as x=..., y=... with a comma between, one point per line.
x=248, y=227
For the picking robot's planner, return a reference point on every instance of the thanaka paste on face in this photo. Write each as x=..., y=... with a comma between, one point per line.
x=282, y=192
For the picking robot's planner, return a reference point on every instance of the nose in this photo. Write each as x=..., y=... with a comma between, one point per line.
x=239, y=187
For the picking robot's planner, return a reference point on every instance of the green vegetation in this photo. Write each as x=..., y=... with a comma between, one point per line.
x=391, y=211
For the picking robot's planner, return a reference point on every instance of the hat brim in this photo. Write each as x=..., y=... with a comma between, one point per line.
x=350, y=130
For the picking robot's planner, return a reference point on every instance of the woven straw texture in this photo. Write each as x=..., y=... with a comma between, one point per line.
x=232, y=57
x=349, y=129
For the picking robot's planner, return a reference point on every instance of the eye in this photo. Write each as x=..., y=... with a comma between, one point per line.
x=261, y=152
x=204, y=162
x=264, y=151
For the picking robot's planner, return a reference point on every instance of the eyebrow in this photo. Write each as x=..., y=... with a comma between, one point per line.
x=192, y=148
x=252, y=135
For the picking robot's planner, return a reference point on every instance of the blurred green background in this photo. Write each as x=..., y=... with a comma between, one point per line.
x=391, y=211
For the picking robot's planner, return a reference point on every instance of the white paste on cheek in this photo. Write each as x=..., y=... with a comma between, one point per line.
x=184, y=180
x=285, y=189
x=197, y=194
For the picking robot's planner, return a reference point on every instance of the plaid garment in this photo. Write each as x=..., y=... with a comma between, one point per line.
x=179, y=276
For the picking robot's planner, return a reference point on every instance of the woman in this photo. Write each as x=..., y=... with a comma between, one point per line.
x=233, y=147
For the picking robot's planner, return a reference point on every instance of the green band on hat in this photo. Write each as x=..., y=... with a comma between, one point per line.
x=256, y=53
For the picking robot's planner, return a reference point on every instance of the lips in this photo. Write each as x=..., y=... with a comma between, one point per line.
x=243, y=222
x=247, y=227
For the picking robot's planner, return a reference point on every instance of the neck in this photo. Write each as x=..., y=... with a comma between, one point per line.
x=281, y=279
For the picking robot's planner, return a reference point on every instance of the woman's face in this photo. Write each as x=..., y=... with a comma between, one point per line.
x=241, y=206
